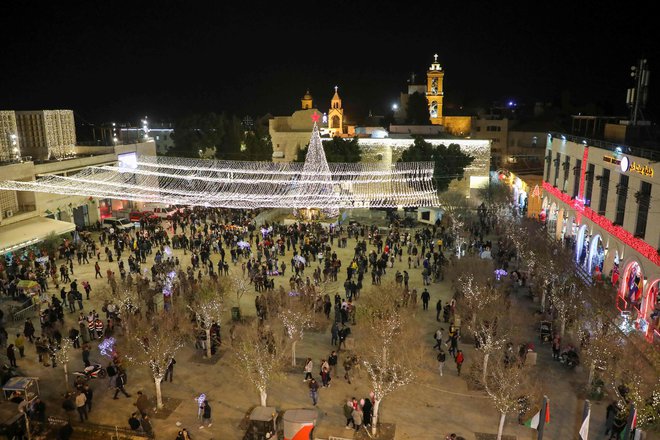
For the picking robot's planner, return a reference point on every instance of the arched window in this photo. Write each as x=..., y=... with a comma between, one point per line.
x=433, y=109
x=334, y=122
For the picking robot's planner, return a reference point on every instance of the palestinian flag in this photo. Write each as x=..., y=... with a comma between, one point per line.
x=535, y=421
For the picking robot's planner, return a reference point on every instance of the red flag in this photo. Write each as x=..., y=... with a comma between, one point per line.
x=547, y=412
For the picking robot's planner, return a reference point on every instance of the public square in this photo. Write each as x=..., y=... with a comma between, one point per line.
x=429, y=408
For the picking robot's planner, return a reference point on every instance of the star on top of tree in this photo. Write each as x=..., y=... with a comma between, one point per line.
x=315, y=117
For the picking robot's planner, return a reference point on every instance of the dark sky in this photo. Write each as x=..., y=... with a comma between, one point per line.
x=121, y=60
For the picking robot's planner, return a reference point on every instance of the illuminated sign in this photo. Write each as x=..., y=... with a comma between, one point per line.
x=644, y=170
x=625, y=164
x=611, y=159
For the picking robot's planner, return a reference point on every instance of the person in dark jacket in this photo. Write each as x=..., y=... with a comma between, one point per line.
x=134, y=422
x=11, y=355
x=367, y=410
x=206, y=413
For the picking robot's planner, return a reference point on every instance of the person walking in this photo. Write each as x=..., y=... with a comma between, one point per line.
x=81, y=405
x=334, y=331
x=459, y=361
x=332, y=362
x=19, y=343
x=142, y=403
x=438, y=339
x=97, y=268
x=348, y=413
x=170, y=371
x=441, y=360
x=89, y=394
x=85, y=355
x=119, y=385
x=438, y=310
x=28, y=330
x=426, y=297
x=357, y=418
x=206, y=414
x=11, y=355
x=314, y=391
x=309, y=367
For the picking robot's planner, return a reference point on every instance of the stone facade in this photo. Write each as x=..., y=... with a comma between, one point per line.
x=9, y=148
x=46, y=134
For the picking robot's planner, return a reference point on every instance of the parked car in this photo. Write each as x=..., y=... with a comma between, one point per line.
x=119, y=224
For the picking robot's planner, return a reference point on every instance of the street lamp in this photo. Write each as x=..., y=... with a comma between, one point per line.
x=395, y=107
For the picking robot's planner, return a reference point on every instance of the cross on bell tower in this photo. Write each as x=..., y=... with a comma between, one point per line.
x=336, y=115
x=434, y=93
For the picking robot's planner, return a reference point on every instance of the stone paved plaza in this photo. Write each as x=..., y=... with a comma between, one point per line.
x=430, y=408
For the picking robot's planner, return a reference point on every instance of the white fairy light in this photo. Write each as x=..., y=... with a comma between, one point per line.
x=249, y=185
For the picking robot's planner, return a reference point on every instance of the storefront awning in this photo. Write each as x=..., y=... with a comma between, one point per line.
x=25, y=233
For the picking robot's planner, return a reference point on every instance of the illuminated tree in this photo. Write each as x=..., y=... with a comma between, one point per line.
x=258, y=356
x=387, y=346
x=63, y=356
x=489, y=342
x=474, y=286
x=155, y=343
x=567, y=300
x=296, y=320
x=507, y=386
x=208, y=308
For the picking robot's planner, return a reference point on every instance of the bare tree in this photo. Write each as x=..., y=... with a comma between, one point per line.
x=208, y=307
x=155, y=343
x=295, y=319
x=258, y=356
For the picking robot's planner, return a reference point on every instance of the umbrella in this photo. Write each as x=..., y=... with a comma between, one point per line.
x=300, y=258
x=27, y=284
x=243, y=244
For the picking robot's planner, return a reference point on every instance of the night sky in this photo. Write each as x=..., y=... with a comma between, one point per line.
x=122, y=60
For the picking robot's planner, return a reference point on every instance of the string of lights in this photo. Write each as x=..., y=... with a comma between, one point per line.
x=250, y=185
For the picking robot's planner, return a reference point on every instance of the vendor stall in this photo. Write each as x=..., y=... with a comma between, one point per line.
x=21, y=388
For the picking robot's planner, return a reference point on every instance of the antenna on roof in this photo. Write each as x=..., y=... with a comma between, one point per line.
x=637, y=96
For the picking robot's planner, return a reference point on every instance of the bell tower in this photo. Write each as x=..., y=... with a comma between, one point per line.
x=336, y=115
x=434, y=93
x=307, y=101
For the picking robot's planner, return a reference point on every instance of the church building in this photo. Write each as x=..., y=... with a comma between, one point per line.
x=290, y=134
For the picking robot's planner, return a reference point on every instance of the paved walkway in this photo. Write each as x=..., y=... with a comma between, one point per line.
x=427, y=409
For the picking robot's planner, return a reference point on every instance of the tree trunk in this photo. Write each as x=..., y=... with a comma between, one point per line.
x=159, y=394
x=592, y=371
x=543, y=300
x=263, y=395
x=501, y=428
x=293, y=353
x=562, y=327
x=374, y=417
x=66, y=377
x=474, y=319
x=208, y=342
x=485, y=372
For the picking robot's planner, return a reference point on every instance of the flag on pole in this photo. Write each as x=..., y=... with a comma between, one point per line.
x=535, y=421
x=584, y=429
x=631, y=424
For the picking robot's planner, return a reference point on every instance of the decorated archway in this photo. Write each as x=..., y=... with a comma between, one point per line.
x=596, y=255
x=580, y=244
x=631, y=287
x=649, y=319
x=552, y=218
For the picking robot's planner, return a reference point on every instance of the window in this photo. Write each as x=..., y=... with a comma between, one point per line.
x=478, y=129
x=493, y=128
x=622, y=196
x=643, y=202
x=557, y=160
x=604, y=189
x=548, y=160
x=577, y=171
x=567, y=166
x=589, y=186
